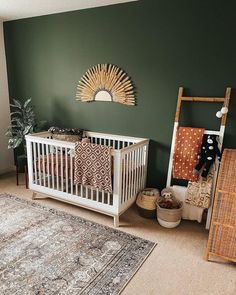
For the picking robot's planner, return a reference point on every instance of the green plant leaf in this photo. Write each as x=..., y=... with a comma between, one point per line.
x=15, y=106
x=27, y=129
x=16, y=119
x=10, y=143
x=27, y=103
x=16, y=113
x=17, y=103
x=17, y=142
x=8, y=133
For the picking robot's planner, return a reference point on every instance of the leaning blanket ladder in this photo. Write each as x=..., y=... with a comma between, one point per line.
x=220, y=133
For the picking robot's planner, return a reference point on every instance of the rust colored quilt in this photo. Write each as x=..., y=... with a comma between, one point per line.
x=187, y=146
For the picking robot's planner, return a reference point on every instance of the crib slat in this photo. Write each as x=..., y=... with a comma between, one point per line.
x=39, y=163
x=143, y=166
x=132, y=175
x=126, y=177
x=130, y=172
x=103, y=199
x=62, y=174
x=43, y=157
x=123, y=179
x=76, y=190
x=52, y=167
x=136, y=170
x=48, y=172
x=140, y=168
x=109, y=198
x=139, y=171
x=81, y=191
x=66, y=159
x=35, y=167
x=97, y=195
x=71, y=174
x=57, y=172
x=141, y=163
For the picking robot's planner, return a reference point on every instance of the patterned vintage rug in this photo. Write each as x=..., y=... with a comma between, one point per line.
x=44, y=251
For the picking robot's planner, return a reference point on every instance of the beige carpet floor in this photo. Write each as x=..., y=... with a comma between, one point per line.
x=176, y=266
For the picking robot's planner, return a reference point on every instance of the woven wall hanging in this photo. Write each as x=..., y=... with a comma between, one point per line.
x=106, y=82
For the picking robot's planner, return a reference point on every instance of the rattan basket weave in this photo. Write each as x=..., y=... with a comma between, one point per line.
x=222, y=236
x=169, y=215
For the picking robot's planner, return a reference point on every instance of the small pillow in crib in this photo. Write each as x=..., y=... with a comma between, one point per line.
x=67, y=134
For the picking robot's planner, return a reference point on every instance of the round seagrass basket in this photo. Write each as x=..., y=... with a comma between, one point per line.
x=146, y=203
x=169, y=218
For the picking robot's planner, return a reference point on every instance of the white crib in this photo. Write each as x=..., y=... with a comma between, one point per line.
x=51, y=171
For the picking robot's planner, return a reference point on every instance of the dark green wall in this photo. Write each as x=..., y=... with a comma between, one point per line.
x=161, y=44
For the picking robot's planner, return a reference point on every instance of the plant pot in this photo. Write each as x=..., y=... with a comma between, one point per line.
x=21, y=162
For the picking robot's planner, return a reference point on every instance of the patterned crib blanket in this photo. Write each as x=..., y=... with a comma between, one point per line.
x=93, y=166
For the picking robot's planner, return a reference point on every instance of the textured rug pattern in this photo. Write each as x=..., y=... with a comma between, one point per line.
x=44, y=251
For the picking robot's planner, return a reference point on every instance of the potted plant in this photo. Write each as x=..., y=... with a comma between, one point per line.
x=23, y=122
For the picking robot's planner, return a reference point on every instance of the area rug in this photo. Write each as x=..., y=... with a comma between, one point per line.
x=44, y=251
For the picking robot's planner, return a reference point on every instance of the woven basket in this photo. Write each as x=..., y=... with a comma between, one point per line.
x=171, y=217
x=147, y=204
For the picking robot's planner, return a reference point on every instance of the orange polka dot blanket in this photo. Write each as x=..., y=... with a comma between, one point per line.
x=187, y=146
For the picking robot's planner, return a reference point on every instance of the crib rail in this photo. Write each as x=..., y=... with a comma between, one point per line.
x=133, y=173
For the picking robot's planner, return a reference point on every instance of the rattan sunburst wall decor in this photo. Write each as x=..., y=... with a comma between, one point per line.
x=106, y=82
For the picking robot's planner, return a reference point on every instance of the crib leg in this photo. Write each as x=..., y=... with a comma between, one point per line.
x=116, y=221
x=34, y=197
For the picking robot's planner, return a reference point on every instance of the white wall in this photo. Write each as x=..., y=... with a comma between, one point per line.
x=6, y=156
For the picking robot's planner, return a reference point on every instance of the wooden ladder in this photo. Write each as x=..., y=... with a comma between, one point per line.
x=220, y=133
